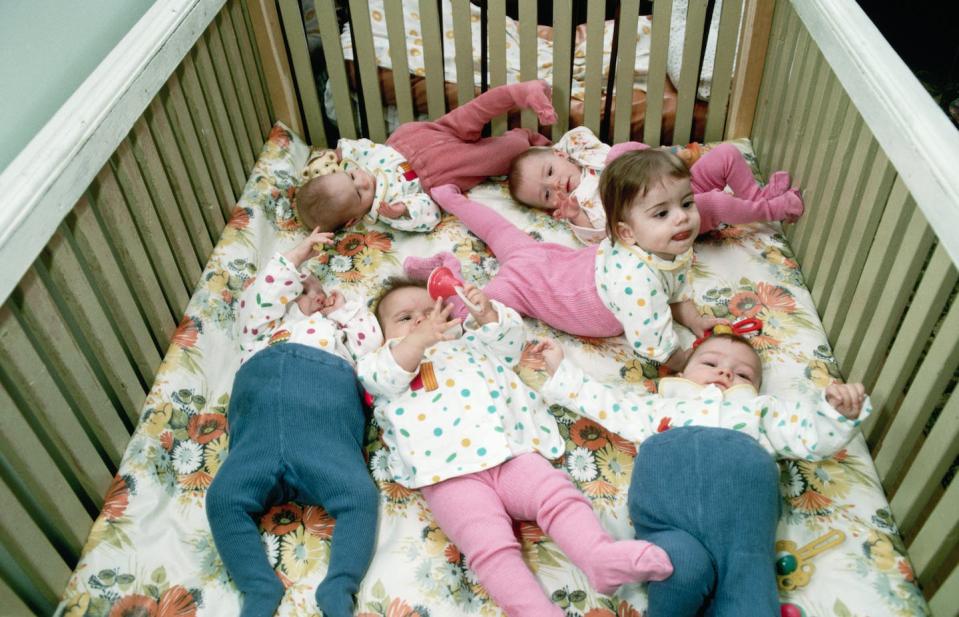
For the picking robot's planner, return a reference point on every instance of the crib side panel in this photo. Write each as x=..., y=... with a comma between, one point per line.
x=878, y=259
x=83, y=331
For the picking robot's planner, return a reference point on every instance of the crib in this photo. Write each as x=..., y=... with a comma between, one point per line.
x=114, y=208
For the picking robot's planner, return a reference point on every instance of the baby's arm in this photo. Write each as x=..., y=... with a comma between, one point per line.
x=497, y=327
x=362, y=331
x=815, y=429
x=410, y=213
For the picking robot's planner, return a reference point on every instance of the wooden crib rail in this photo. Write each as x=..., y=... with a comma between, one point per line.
x=876, y=159
x=360, y=108
x=108, y=219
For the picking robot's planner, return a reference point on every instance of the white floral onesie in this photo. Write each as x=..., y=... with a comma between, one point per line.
x=589, y=153
x=638, y=287
x=268, y=315
x=476, y=415
x=808, y=429
x=395, y=182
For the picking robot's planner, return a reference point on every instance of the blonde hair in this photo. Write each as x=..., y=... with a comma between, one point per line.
x=516, y=173
x=318, y=205
x=633, y=174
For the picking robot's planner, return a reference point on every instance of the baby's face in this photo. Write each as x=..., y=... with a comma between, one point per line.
x=725, y=363
x=314, y=298
x=664, y=221
x=546, y=179
x=403, y=310
x=355, y=189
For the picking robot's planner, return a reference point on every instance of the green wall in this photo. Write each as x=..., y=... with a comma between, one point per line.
x=47, y=49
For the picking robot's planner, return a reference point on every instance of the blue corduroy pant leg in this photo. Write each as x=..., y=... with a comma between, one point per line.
x=710, y=498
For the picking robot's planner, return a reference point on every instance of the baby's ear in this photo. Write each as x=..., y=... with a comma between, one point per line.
x=624, y=233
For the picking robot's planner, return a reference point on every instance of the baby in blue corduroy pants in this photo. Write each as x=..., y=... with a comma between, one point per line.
x=296, y=431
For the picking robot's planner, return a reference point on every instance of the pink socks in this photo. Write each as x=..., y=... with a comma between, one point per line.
x=419, y=268
x=534, y=95
x=626, y=561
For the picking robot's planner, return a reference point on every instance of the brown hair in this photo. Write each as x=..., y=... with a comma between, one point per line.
x=317, y=205
x=393, y=283
x=515, y=173
x=633, y=174
x=731, y=336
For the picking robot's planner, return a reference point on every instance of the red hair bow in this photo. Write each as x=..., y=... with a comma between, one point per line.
x=741, y=328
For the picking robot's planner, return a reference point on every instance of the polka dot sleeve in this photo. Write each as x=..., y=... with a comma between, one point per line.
x=264, y=303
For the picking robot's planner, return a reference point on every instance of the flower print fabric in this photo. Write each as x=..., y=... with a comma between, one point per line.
x=638, y=287
x=395, y=182
x=480, y=415
x=587, y=151
x=269, y=315
x=809, y=429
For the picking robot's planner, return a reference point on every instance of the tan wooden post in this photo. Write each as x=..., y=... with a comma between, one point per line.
x=750, y=61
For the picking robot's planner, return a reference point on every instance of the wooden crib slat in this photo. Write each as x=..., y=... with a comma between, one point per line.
x=463, y=51
x=91, y=325
x=209, y=45
x=938, y=537
x=944, y=602
x=51, y=336
x=562, y=64
x=32, y=386
x=595, y=16
x=15, y=605
x=369, y=77
x=836, y=259
x=431, y=31
x=396, y=31
x=926, y=472
x=234, y=62
x=32, y=552
x=812, y=95
x=197, y=200
x=194, y=139
x=774, y=82
x=924, y=311
x=689, y=73
x=100, y=263
x=132, y=256
x=339, y=84
x=625, y=69
x=828, y=111
x=751, y=57
x=931, y=378
x=846, y=324
x=656, y=82
x=723, y=69
x=303, y=72
x=198, y=73
x=771, y=62
x=165, y=260
x=796, y=91
x=64, y=518
x=813, y=223
x=239, y=19
x=178, y=232
x=497, y=54
x=528, y=56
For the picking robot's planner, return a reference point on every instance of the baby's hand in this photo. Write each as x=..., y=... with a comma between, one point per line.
x=846, y=398
x=705, y=324
x=334, y=300
x=307, y=248
x=435, y=327
x=567, y=208
x=486, y=313
x=391, y=211
x=551, y=352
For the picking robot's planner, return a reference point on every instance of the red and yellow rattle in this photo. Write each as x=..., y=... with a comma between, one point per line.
x=741, y=328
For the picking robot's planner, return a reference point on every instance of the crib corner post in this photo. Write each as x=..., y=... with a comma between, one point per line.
x=750, y=61
x=274, y=63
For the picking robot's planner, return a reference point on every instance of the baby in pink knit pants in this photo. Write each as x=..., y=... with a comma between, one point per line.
x=564, y=179
x=389, y=182
x=465, y=430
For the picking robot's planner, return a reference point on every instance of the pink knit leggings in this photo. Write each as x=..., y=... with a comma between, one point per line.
x=476, y=512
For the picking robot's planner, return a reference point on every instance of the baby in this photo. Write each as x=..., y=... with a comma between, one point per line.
x=462, y=427
x=565, y=180
x=390, y=182
x=634, y=281
x=706, y=440
x=296, y=431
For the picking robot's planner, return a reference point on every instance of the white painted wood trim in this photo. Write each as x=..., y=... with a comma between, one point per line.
x=916, y=135
x=43, y=183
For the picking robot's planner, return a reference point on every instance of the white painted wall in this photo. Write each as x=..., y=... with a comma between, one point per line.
x=47, y=49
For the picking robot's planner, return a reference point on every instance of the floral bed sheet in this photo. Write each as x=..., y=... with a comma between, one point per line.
x=151, y=553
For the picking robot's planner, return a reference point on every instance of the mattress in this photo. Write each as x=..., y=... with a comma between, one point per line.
x=151, y=552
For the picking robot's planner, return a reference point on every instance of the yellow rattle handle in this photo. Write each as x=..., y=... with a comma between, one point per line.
x=832, y=538
x=722, y=329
